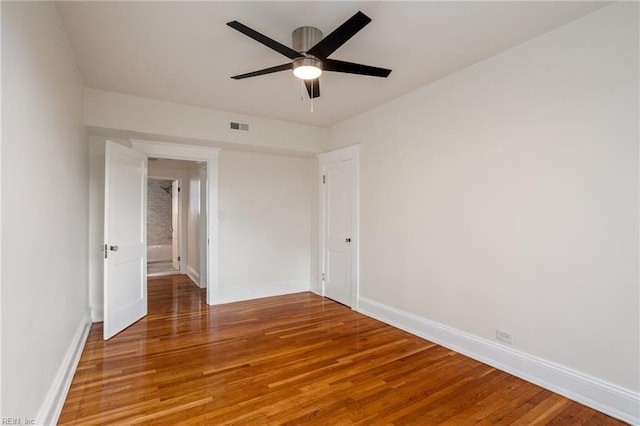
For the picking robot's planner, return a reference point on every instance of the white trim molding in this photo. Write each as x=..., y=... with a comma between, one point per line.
x=175, y=151
x=608, y=398
x=54, y=400
x=351, y=152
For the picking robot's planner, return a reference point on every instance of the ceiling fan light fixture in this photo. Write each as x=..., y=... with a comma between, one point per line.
x=307, y=68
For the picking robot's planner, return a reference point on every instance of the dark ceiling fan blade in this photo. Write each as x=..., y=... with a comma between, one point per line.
x=277, y=68
x=339, y=36
x=351, y=68
x=278, y=47
x=313, y=87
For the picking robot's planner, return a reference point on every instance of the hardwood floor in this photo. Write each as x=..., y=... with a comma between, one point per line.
x=295, y=359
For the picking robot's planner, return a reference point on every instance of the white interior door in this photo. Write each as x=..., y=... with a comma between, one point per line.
x=125, y=269
x=338, y=235
x=175, y=225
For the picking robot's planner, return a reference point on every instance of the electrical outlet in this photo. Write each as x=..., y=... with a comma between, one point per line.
x=504, y=336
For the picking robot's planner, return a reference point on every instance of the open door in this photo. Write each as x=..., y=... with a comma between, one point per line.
x=125, y=230
x=175, y=225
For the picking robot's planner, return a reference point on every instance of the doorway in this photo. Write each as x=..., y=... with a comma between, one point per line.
x=208, y=158
x=163, y=226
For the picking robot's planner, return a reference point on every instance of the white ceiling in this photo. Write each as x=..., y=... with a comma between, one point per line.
x=183, y=52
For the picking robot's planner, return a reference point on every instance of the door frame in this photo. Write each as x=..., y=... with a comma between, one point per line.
x=181, y=237
x=340, y=155
x=209, y=155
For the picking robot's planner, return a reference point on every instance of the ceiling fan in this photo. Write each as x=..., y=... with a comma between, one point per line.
x=310, y=52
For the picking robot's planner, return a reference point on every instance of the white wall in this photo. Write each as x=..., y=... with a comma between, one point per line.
x=44, y=208
x=1, y=411
x=96, y=227
x=315, y=283
x=264, y=213
x=505, y=196
x=176, y=121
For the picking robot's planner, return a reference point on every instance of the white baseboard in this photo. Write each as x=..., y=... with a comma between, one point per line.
x=163, y=274
x=194, y=275
x=52, y=406
x=237, y=294
x=608, y=398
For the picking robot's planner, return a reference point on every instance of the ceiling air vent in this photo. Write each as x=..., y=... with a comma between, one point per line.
x=239, y=126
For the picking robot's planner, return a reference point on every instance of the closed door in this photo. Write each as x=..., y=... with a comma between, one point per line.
x=125, y=269
x=338, y=227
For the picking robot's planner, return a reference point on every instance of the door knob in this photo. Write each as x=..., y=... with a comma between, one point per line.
x=348, y=240
x=113, y=248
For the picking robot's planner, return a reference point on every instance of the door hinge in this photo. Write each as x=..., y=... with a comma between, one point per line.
x=178, y=258
x=324, y=178
x=323, y=276
x=179, y=189
x=104, y=249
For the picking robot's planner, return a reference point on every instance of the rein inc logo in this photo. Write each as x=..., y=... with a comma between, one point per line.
x=17, y=421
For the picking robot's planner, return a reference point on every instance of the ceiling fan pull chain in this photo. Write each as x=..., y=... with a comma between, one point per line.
x=312, y=95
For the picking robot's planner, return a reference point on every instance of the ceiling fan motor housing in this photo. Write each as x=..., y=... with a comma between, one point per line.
x=304, y=38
